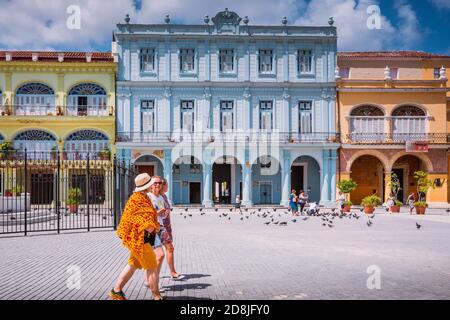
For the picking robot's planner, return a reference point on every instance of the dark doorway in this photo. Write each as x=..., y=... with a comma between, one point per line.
x=82, y=106
x=194, y=193
x=400, y=176
x=265, y=190
x=42, y=188
x=147, y=169
x=297, y=178
x=221, y=178
x=96, y=188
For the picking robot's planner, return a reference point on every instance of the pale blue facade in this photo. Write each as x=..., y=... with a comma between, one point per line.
x=206, y=106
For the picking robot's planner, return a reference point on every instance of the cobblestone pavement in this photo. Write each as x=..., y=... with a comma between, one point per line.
x=234, y=259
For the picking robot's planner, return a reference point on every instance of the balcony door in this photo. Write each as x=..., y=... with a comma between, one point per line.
x=82, y=105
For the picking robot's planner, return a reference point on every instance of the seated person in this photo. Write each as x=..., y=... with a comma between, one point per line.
x=313, y=208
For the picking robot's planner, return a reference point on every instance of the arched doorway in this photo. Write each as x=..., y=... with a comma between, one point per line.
x=266, y=181
x=187, y=177
x=150, y=164
x=226, y=180
x=87, y=99
x=404, y=168
x=34, y=99
x=368, y=172
x=305, y=175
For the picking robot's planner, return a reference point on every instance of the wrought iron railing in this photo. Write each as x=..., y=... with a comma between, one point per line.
x=236, y=136
x=52, y=110
x=396, y=138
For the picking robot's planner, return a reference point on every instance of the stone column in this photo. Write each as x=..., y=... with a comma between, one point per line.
x=247, y=182
x=286, y=178
x=168, y=172
x=324, y=178
x=207, y=185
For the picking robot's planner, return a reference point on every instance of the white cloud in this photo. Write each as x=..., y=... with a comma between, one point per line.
x=41, y=24
x=441, y=4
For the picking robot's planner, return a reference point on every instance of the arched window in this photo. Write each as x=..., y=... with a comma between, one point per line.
x=39, y=143
x=367, y=124
x=408, y=124
x=87, y=99
x=34, y=99
x=84, y=142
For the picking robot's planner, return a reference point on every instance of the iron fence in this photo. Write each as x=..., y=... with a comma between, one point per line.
x=43, y=192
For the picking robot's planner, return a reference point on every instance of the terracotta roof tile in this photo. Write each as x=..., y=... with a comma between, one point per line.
x=390, y=55
x=46, y=56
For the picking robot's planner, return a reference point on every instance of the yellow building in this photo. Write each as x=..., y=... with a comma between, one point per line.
x=392, y=114
x=57, y=101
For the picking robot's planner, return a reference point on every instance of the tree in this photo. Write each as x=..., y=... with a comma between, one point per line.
x=423, y=184
x=347, y=186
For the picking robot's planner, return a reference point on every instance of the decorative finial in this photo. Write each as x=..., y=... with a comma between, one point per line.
x=246, y=20
x=167, y=19
x=284, y=21
x=331, y=21
x=127, y=19
x=206, y=20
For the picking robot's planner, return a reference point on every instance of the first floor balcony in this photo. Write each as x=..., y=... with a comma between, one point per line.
x=396, y=138
x=21, y=110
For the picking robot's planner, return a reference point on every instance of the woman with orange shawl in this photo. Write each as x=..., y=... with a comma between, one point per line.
x=137, y=229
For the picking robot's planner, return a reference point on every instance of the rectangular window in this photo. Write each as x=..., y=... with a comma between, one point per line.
x=304, y=61
x=305, y=116
x=344, y=73
x=147, y=60
x=148, y=116
x=187, y=115
x=226, y=60
x=266, y=115
x=265, y=61
x=437, y=73
x=226, y=115
x=394, y=73
x=187, y=60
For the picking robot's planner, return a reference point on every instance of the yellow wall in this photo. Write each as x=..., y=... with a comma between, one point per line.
x=61, y=77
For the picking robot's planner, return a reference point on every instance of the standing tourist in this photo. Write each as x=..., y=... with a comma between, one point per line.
x=237, y=205
x=293, y=202
x=303, y=200
x=341, y=201
x=166, y=235
x=411, y=200
x=137, y=229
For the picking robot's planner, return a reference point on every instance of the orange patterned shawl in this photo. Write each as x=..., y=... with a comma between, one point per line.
x=138, y=215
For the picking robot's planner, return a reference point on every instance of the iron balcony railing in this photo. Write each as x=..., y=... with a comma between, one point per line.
x=229, y=136
x=50, y=155
x=52, y=110
x=396, y=138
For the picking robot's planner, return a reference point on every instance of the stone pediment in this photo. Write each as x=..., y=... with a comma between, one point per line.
x=226, y=21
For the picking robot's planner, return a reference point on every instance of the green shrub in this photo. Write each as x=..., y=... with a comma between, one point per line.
x=347, y=186
x=348, y=204
x=398, y=203
x=371, y=201
x=74, y=196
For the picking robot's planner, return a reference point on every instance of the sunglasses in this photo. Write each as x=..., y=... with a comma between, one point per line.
x=157, y=183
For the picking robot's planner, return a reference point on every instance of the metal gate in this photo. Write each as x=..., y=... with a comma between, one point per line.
x=46, y=192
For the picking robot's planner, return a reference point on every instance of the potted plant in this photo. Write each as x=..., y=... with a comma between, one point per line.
x=423, y=185
x=104, y=154
x=394, y=183
x=5, y=149
x=370, y=202
x=347, y=187
x=8, y=193
x=17, y=191
x=73, y=199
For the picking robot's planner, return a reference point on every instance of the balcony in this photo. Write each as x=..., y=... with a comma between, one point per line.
x=257, y=136
x=396, y=138
x=52, y=110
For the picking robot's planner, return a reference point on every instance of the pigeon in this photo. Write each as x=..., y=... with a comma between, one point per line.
x=201, y=209
x=324, y=224
x=186, y=209
x=276, y=222
x=231, y=209
x=371, y=217
x=448, y=210
x=181, y=213
x=185, y=217
x=217, y=209
x=225, y=214
x=272, y=220
x=220, y=216
x=274, y=209
x=283, y=224
x=246, y=209
x=258, y=215
x=259, y=209
x=242, y=219
x=418, y=226
x=369, y=223
x=267, y=223
x=229, y=218
x=333, y=210
x=330, y=226
x=190, y=215
x=305, y=218
x=294, y=221
x=361, y=210
x=247, y=217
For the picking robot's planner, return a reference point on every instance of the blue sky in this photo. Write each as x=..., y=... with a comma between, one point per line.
x=405, y=24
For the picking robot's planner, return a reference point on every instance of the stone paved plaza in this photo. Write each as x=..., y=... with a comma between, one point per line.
x=234, y=259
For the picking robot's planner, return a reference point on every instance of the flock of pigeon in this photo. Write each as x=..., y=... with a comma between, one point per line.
x=273, y=216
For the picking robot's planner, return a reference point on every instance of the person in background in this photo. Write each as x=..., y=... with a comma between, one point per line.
x=411, y=200
x=341, y=201
x=293, y=200
x=302, y=200
x=390, y=202
x=237, y=205
x=166, y=235
x=137, y=230
x=313, y=208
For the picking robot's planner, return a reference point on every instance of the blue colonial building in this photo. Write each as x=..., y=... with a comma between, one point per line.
x=227, y=108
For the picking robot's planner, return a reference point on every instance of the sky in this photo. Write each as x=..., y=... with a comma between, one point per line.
x=87, y=25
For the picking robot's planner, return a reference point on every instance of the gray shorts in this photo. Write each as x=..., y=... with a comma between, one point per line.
x=158, y=242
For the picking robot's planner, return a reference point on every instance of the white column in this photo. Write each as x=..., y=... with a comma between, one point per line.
x=324, y=179
x=247, y=181
x=286, y=178
x=207, y=185
x=168, y=172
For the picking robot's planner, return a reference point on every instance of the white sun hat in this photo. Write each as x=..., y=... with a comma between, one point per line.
x=142, y=182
